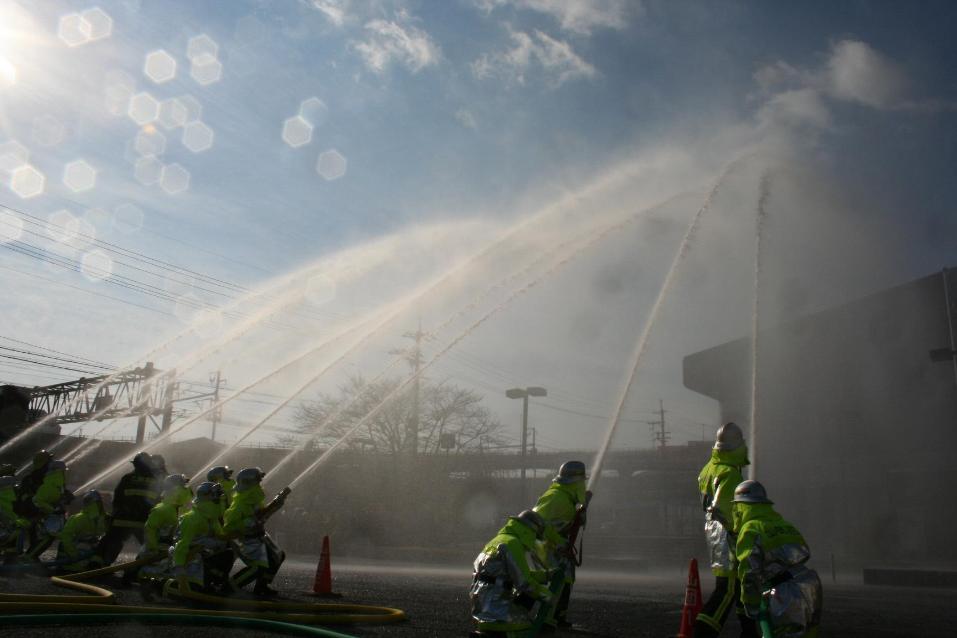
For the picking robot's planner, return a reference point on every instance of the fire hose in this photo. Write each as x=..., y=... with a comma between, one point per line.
x=100, y=606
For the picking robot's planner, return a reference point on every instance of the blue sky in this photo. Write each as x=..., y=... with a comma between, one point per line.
x=478, y=111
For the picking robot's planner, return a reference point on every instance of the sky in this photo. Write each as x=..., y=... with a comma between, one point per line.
x=222, y=185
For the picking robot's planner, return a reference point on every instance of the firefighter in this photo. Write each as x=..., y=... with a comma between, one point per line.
x=772, y=556
x=510, y=578
x=245, y=521
x=200, y=554
x=31, y=483
x=82, y=534
x=558, y=506
x=160, y=526
x=716, y=482
x=134, y=497
x=50, y=503
x=222, y=476
x=13, y=528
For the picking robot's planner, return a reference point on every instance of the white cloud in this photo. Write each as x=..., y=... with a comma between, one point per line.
x=577, y=16
x=853, y=72
x=334, y=10
x=858, y=73
x=556, y=58
x=390, y=42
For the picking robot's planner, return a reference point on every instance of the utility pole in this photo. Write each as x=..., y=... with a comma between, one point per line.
x=171, y=387
x=217, y=414
x=523, y=394
x=143, y=399
x=413, y=356
x=659, y=434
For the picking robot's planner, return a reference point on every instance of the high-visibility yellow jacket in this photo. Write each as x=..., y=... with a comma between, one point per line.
x=85, y=527
x=558, y=506
x=241, y=517
x=716, y=482
x=771, y=556
x=199, y=524
x=229, y=491
x=49, y=496
x=8, y=516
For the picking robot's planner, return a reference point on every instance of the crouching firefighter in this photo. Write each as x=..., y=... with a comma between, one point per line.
x=50, y=503
x=509, y=583
x=777, y=588
x=160, y=527
x=13, y=528
x=81, y=535
x=563, y=507
x=201, y=555
x=245, y=520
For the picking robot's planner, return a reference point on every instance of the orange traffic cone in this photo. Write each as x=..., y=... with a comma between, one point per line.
x=322, y=585
x=693, y=602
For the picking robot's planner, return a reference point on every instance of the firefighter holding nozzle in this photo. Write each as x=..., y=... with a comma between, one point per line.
x=245, y=520
x=563, y=506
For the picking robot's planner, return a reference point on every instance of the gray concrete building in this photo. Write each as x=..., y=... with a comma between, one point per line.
x=856, y=423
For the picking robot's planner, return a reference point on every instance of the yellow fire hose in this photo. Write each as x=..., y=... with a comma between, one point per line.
x=233, y=612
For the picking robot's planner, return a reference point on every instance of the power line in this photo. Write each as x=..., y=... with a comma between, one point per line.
x=66, y=354
x=151, y=261
x=43, y=254
x=48, y=365
x=47, y=356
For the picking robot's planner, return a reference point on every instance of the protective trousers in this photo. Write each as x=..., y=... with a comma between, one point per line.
x=112, y=544
x=45, y=531
x=716, y=609
x=263, y=559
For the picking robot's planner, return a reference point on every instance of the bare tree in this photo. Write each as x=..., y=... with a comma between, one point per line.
x=452, y=419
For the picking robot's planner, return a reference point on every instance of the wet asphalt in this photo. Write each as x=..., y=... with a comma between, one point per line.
x=604, y=604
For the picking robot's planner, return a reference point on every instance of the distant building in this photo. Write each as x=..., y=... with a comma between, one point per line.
x=857, y=426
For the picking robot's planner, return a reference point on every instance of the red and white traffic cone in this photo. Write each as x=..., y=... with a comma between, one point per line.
x=692, y=605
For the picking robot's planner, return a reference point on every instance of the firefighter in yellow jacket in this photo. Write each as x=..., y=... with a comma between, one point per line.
x=13, y=528
x=201, y=554
x=771, y=559
x=558, y=506
x=160, y=526
x=81, y=534
x=244, y=521
x=716, y=482
x=510, y=579
x=50, y=502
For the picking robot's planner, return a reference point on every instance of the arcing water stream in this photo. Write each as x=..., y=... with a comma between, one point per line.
x=368, y=255
x=613, y=178
x=759, y=223
x=555, y=267
x=683, y=248
x=471, y=305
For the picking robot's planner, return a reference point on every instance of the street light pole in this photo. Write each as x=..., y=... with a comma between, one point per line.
x=524, y=437
x=523, y=394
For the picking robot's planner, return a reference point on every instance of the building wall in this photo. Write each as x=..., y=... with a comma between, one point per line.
x=857, y=428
